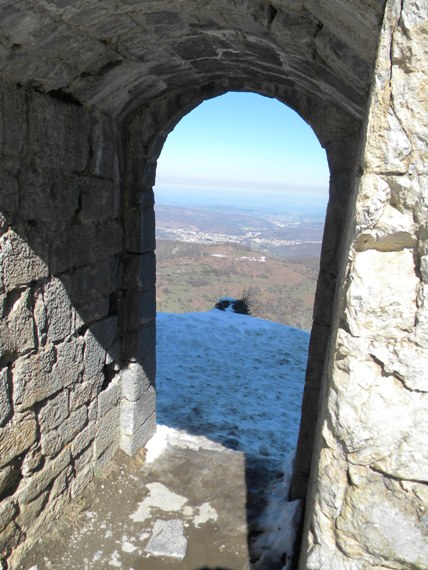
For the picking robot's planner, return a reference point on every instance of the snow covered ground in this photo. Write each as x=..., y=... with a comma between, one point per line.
x=238, y=381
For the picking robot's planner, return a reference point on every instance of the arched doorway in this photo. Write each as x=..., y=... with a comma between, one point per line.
x=333, y=129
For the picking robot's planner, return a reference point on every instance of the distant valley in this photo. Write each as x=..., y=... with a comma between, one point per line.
x=277, y=234
x=205, y=253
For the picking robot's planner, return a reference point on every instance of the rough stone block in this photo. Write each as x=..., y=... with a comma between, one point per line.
x=376, y=306
x=9, y=197
x=83, y=439
x=93, y=411
x=95, y=356
x=7, y=512
x=10, y=537
x=104, y=159
x=15, y=438
x=140, y=230
x=85, y=244
x=131, y=443
x=13, y=113
x=140, y=271
x=140, y=346
x=69, y=365
x=31, y=375
x=105, y=331
x=59, y=310
x=32, y=460
x=55, y=412
x=99, y=199
x=93, y=311
x=60, y=485
x=135, y=414
x=5, y=403
x=17, y=328
x=30, y=511
x=9, y=478
x=108, y=398
x=55, y=440
x=35, y=198
x=135, y=382
x=33, y=486
x=387, y=528
x=21, y=264
x=139, y=307
x=88, y=283
x=67, y=146
x=84, y=459
x=82, y=480
x=107, y=432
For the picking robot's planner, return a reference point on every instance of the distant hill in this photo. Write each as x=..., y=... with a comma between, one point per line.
x=191, y=277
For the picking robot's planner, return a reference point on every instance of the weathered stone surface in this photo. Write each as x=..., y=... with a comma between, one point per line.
x=382, y=306
x=32, y=460
x=104, y=161
x=55, y=440
x=135, y=382
x=83, y=439
x=107, y=436
x=390, y=524
x=131, y=443
x=95, y=356
x=99, y=199
x=80, y=482
x=54, y=412
x=140, y=272
x=135, y=414
x=109, y=398
x=7, y=511
x=16, y=438
x=33, y=486
x=12, y=120
x=20, y=263
x=369, y=487
x=9, y=479
x=59, y=311
x=140, y=308
x=16, y=327
x=67, y=147
x=29, y=512
x=9, y=196
x=38, y=376
x=71, y=250
x=5, y=403
x=88, y=283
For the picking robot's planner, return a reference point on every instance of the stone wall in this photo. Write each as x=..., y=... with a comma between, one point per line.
x=369, y=494
x=60, y=289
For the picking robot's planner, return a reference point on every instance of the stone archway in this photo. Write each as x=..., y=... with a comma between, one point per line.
x=79, y=81
x=337, y=132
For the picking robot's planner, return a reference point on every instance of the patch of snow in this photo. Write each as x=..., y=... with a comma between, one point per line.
x=128, y=546
x=97, y=556
x=160, y=497
x=233, y=381
x=115, y=560
x=206, y=514
x=168, y=539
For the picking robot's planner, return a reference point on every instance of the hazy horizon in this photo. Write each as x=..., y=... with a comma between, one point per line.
x=292, y=203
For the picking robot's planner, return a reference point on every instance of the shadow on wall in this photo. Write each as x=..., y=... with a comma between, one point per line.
x=61, y=284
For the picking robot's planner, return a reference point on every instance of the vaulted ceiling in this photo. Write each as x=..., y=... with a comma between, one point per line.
x=115, y=53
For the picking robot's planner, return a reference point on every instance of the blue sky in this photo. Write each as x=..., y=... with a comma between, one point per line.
x=244, y=140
